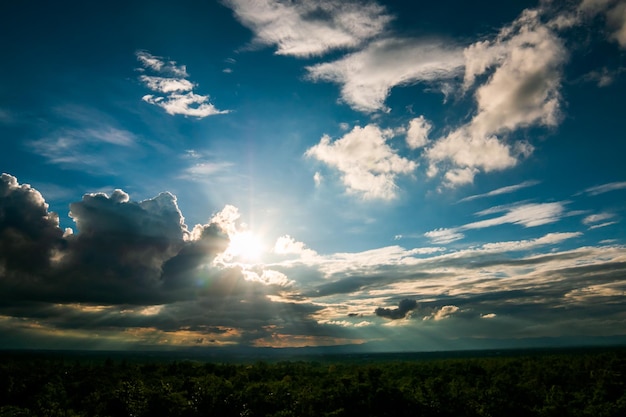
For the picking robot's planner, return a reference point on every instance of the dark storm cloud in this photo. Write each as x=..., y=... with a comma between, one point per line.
x=125, y=252
x=404, y=307
x=29, y=234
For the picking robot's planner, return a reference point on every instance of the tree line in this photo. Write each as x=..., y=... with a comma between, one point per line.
x=580, y=384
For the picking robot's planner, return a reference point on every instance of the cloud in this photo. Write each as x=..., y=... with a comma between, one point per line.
x=417, y=133
x=616, y=20
x=443, y=313
x=499, y=191
x=596, y=218
x=523, y=64
x=318, y=178
x=80, y=145
x=166, y=85
x=158, y=64
x=171, y=80
x=304, y=28
x=29, y=235
x=604, y=76
x=614, y=12
x=404, y=307
x=135, y=274
x=443, y=236
x=368, y=166
x=124, y=251
x=367, y=76
x=605, y=188
x=526, y=215
x=286, y=245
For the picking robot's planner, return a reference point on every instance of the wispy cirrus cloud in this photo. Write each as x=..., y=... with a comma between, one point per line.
x=502, y=190
x=176, y=94
x=305, y=28
x=87, y=133
x=526, y=215
x=605, y=188
x=367, y=164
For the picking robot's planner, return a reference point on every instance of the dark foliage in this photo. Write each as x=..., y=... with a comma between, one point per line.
x=574, y=384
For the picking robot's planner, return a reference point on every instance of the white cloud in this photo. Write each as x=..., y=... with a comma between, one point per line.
x=165, y=84
x=286, y=245
x=306, y=28
x=443, y=313
x=503, y=190
x=188, y=104
x=466, y=150
x=367, y=77
x=417, y=133
x=527, y=215
x=460, y=176
x=179, y=96
x=82, y=147
x=605, y=188
x=318, y=178
x=158, y=64
x=600, y=225
x=201, y=171
x=519, y=245
x=522, y=90
x=368, y=166
x=443, y=236
x=596, y=218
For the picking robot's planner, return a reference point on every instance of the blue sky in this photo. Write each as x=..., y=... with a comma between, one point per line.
x=384, y=175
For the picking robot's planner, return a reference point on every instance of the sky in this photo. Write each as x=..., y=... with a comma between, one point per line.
x=377, y=175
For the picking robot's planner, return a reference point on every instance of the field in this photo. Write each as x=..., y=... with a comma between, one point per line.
x=576, y=382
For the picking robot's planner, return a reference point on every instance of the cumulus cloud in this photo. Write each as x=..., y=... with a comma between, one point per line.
x=523, y=64
x=368, y=165
x=304, y=28
x=176, y=94
x=417, y=133
x=367, y=76
x=442, y=313
x=29, y=235
x=287, y=245
x=124, y=251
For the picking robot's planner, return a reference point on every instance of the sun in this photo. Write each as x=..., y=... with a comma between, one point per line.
x=245, y=245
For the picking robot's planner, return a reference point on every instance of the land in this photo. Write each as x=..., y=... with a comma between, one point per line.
x=531, y=382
